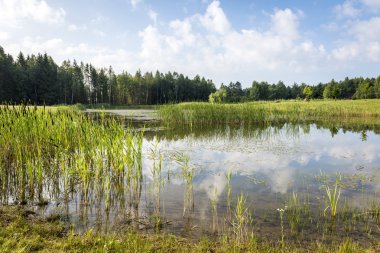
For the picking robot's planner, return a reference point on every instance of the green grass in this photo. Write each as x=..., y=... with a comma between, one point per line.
x=200, y=114
x=25, y=232
x=46, y=153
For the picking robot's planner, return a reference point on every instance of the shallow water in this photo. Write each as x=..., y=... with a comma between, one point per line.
x=269, y=163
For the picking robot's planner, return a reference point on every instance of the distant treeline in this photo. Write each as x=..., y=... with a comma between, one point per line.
x=37, y=79
x=356, y=88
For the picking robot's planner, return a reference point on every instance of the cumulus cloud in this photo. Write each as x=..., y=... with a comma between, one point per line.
x=204, y=44
x=38, y=10
x=215, y=20
x=346, y=9
x=366, y=43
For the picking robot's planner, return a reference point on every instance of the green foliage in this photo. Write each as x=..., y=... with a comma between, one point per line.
x=308, y=92
x=218, y=96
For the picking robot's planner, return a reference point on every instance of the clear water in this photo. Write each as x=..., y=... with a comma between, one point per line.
x=268, y=164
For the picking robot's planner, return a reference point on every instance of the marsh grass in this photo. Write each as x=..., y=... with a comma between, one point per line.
x=333, y=195
x=187, y=170
x=21, y=233
x=242, y=220
x=157, y=182
x=203, y=114
x=51, y=154
x=297, y=213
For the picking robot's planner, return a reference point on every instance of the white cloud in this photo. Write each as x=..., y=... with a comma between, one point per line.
x=368, y=30
x=152, y=15
x=215, y=20
x=346, y=9
x=188, y=48
x=73, y=27
x=366, y=43
x=11, y=11
x=36, y=45
x=134, y=3
x=285, y=24
x=4, y=36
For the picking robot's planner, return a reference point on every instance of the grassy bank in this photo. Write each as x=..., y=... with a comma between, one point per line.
x=276, y=111
x=23, y=231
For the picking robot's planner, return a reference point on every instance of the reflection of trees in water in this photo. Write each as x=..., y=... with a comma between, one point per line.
x=266, y=130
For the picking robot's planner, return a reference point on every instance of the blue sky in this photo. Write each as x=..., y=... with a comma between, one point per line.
x=245, y=40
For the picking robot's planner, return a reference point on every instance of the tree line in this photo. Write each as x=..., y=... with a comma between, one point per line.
x=37, y=79
x=355, y=88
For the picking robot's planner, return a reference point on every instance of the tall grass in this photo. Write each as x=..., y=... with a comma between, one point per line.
x=46, y=154
x=195, y=114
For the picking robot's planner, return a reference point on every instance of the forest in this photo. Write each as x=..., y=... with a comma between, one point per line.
x=37, y=79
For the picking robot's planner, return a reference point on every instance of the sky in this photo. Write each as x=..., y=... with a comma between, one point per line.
x=226, y=41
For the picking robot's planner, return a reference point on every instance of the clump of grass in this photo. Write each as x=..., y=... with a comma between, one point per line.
x=187, y=174
x=293, y=213
x=281, y=212
x=228, y=177
x=242, y=218
x=157, y=181
x=333, y=196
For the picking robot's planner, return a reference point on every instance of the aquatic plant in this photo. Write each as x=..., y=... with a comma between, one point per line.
x=281, y=212
x=187, y=174
x=49, y=153
x=293, y=213
x=228, y=177
x=333, y=196
x=242, y=218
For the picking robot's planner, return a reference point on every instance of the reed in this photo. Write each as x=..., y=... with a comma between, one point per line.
x=206, y=114
x=333, y=196
x=187, y=174
x=47, y=153
x=242, y=218
x=228, y=177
